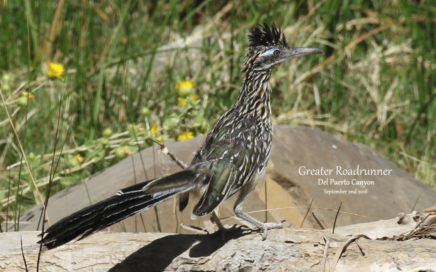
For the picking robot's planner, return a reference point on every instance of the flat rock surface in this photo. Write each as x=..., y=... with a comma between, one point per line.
x=302, y=159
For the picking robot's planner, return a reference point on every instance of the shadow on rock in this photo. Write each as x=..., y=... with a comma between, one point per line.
x=157, y=255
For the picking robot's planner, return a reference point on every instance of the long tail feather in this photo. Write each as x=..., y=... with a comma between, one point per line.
x=125, y=203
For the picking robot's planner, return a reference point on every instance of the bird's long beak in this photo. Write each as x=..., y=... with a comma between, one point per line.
x=296, y=52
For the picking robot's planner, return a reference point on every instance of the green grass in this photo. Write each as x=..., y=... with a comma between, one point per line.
x=375, y=82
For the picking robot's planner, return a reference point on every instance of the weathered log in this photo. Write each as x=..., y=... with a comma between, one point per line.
x=358, y=247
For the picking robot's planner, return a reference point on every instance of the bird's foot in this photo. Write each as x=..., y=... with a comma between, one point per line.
x=267, y=226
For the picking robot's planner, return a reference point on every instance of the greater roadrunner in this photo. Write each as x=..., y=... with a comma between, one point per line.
x=232, y=159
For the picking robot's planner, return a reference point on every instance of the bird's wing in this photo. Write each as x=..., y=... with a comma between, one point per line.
x=234, y=163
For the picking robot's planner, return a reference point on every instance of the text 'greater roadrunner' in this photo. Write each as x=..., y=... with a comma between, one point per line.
x=232, y=159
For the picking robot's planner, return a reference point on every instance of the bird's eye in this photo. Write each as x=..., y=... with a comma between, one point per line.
x=276, y=53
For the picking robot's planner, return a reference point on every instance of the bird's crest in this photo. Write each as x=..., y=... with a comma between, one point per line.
x=265, y=35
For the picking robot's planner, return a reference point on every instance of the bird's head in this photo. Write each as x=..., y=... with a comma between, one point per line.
x=268, y=48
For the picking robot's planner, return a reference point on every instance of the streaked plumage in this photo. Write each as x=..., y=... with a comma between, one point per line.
x=232, y=159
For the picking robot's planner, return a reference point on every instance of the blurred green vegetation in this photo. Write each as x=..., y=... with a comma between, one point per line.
x=123, y=61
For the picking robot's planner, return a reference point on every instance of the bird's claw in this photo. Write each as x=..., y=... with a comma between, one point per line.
x=268, y=226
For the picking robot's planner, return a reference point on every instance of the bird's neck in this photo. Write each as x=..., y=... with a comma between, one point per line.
x=254, y=99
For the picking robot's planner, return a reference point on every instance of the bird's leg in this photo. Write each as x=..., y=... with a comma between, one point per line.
x=221, y=226
x=226, y=233
x=264, y=227
x=217, y=221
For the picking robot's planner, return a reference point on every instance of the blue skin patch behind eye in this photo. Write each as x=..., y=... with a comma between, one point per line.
x=268, y=52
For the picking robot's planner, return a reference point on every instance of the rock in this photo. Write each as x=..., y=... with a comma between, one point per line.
x=389, y=192
x=300, y=157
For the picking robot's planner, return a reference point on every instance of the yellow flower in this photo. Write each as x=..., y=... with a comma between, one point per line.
x=55, y=70
x=154, y=129
x=185, y=87
x=79, y=158
x=181, y=101
x=28, y=95
x=185, y=136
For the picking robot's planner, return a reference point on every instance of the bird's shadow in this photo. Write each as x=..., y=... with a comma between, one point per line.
x=157, y=255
